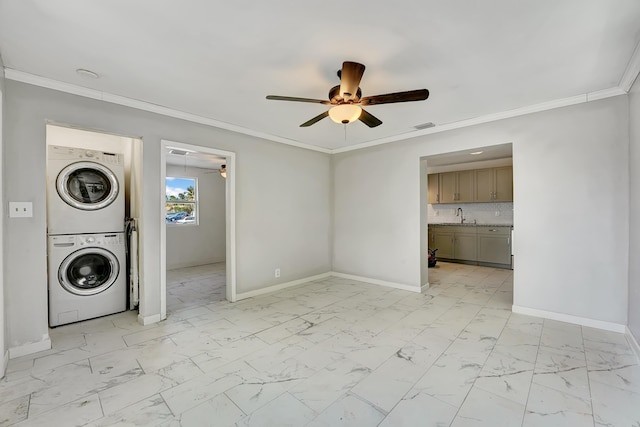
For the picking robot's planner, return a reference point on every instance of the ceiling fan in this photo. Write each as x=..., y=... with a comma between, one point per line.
x=347, y=100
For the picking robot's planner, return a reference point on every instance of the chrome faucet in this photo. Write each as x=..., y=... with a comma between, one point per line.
x=459, y=213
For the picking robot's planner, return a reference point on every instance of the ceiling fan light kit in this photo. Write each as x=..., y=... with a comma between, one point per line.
x=347, y=101
x=345, y=113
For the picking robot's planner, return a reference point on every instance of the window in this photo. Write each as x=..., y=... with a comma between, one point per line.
x=181, y=200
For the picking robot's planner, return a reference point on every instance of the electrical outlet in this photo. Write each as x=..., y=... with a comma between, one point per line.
x=20, y=209
x=277, y=273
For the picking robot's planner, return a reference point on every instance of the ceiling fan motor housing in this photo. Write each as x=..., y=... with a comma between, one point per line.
x=335, y=98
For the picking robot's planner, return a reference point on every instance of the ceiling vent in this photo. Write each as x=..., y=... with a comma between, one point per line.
x=178, y=152
x=424, y=126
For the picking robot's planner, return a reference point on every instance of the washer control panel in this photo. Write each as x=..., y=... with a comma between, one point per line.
x=70, y=240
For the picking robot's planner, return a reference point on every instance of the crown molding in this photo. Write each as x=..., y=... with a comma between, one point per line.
x=21, y=76
x=631, y=72
x=629, y=76
x=544, y=106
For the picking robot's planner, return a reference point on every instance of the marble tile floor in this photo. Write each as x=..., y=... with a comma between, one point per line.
x=332, y=352
x=195, y=286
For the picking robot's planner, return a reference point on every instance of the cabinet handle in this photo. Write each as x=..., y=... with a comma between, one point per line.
x=508, y=240
x=493, y=229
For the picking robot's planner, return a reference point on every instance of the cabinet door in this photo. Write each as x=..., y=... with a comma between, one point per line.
x=465, y=186
x=443, y=243
x=465, y=246
x=433, y=195
x=431, y=237
x=484, y=185
x=495, y=249
x=503, y=184
x=448, y=187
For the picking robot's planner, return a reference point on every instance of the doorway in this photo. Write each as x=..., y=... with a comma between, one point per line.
x=463, y=225
x=197, y=232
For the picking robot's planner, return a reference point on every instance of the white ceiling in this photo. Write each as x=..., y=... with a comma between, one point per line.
x=193, y=159
x=218, y=60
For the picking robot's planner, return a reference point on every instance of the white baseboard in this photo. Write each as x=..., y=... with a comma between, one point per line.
x=33, y=347
x=583, y=321
x=148, y=320
x=3, y=368
x=633, y=343
x=424, y=287
x=194, y=263
x=378, y=282
x=280, y=286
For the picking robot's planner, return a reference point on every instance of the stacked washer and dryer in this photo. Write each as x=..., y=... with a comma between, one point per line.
x=86, y=234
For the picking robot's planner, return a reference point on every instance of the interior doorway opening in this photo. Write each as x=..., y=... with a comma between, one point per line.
x=459, y=222
x=197, y=226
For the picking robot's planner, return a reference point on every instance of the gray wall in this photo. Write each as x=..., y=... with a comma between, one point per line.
x=634, y=200
x=282, y=200
x=3, y=330
x=204, y=243
x=570, y=207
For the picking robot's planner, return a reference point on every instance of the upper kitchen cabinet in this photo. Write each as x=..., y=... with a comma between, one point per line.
x=494, y=184
x=456, y=187
x=433, y=188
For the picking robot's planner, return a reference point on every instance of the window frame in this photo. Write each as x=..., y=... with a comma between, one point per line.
x=195, y=202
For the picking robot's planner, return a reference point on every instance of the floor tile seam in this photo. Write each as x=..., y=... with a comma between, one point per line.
x=593, y=418
x=624, y=390
x=526, y=404
x=355, y=394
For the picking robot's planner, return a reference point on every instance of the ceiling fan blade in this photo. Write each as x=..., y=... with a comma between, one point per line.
x=316, y=119
x=293, y=98
x=350, y=77
x=369, y=119
x=410, y=95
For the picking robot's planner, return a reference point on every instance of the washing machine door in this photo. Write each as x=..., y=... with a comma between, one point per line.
x=88, y=271
x=87, y=186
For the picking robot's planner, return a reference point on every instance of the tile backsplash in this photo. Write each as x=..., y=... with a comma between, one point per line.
x=482, y=213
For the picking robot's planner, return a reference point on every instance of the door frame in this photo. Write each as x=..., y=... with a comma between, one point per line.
x=230, y=218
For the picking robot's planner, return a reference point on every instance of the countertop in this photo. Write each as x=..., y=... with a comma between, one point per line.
x=470, y=224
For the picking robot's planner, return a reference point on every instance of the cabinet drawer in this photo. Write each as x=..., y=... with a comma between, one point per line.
x=465, y=229
x=495, y=231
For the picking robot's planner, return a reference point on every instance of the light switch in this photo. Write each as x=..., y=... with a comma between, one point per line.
x=20, y=209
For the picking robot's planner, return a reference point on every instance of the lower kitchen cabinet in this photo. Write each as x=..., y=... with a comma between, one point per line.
x=464, y=246
x=483, y=244
x=443, y=241
x=494, y=245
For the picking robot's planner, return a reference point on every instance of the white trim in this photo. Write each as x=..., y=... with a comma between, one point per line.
x=195, y=263
x=21, y=76
x=230, y=218
x=558, y=103
x=544, y=106
x=605, y=93
x=148, y=320
x=631, y=72
x=33, y=347
x=163, y=233
x=632, y=343
x=5, y=363
x=424, y=287
x=583, y=321
x=281, y=286
x=378, y=282
x=629, y=76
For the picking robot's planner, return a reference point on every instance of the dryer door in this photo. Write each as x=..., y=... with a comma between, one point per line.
x=87, y=186
x=88, y=271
